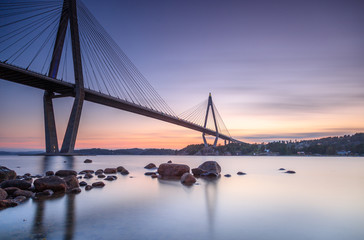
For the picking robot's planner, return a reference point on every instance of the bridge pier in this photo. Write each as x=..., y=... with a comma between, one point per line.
x=210, y=105
x=50, y=124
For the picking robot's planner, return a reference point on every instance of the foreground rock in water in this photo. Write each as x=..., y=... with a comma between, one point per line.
x=98, y=185
x=172, y=170
x=86, y=171
x=88, y=187
x=241, y=173
x=24, y=193
x=122, y=170
x=88, y=161
x=65, y=173
x=71, y=182
x=54, y=183
x=197, y=172
x=150, y=166
x=49, y=173
x=110, y=170
x=3, y=194
x=290, y=172
x=7, y=203
x=210, y=169
x=22, y=184
x=188, y=179
x=6, y=174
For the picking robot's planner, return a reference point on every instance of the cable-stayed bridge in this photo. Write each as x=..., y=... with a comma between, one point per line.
x=58, y=46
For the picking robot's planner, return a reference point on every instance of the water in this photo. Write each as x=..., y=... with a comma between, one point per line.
x=323, y=200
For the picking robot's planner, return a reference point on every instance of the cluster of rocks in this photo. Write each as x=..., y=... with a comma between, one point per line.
x=182, y=172
x=15, y=189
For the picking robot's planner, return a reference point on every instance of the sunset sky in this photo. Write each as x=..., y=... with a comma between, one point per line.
x=277, y=70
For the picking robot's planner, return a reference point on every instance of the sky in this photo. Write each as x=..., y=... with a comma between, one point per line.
x=277, y=70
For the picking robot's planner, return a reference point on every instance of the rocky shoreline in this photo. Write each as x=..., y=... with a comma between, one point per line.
x=16, y=189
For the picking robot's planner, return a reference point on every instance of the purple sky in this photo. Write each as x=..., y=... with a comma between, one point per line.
x=276, y=69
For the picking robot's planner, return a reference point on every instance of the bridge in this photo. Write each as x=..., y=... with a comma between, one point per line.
x=43, y=42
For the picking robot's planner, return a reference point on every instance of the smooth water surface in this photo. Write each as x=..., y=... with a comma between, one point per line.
x=323, y=200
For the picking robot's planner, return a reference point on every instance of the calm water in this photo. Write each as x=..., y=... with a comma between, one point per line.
x=323, y=200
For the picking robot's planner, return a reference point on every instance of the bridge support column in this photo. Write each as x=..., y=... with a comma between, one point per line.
x=50, y=124
x=210, y=105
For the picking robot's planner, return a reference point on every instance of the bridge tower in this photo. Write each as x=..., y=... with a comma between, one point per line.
x=68, y=16
x=210, y=105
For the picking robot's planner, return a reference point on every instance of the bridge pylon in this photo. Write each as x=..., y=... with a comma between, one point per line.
x=210, y=105
x=68, y=16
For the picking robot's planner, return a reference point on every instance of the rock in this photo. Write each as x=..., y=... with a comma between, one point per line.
x=72, y=182
x=27, y=175
x=6, y=174
x=110, y=178
x=28, y=179
x=20, y=199
x=98, y=184
x=49, y=173
x=211, y=168
x=74, y=190
x=154, y=176
x=3, y=194
x=88, y=187
x=54, y=183
x=38, y=176
x=172, y=170
x=197, y=172
x=99, y=171
x=110, y=170
x=45, y=193
x=290, y=172
x=88, y=175
x=65, y=173
x=241, y=173
x=150, y=166
x=169, y=161
x=88, y=161
x=122, y=170
x=227, y=175
x=150, y=173
x=83, y=183
x=11, y=190
x=188, y=179
x=24, y=193
x=8, y=203
x=101, y=176
x=86, y=171
x=22, y=184
x=281, y=169
x=79, y=177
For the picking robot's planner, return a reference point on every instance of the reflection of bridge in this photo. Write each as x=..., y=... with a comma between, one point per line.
x=38, y=34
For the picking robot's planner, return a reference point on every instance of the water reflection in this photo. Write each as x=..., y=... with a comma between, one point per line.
x=39, y=231
x=50, y=163
x=211, y=195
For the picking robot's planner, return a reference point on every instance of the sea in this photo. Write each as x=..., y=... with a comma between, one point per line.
x=324, y=199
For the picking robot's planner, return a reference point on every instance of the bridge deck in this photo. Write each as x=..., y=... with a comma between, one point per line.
x=25, y=77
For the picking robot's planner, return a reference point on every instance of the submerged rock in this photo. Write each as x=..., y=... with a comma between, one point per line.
x=65, y=173
x=281, y=169
x=290, y=172
x=172, y=170
x=111, y=178
x=20, y=199
x=74, y=190
x=98, y=184
x=227, y=175
x=188, y=179
x=150, y=166
x=88, y=161
x=6, y=174
x=241, y=173
x=53, y=183
x=110, y=170
x=210, y=168
x=86, y=171
x=88, y=175
x=150, y=173
x=22, y=184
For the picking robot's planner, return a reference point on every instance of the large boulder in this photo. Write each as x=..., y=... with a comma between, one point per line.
x=65, y=173
x=3, y=194
x=72, y=182
x=210, y=169
x=6, y=174
x=22, y=184
x=188, y=179
x=54, y=183
x=172, y=170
